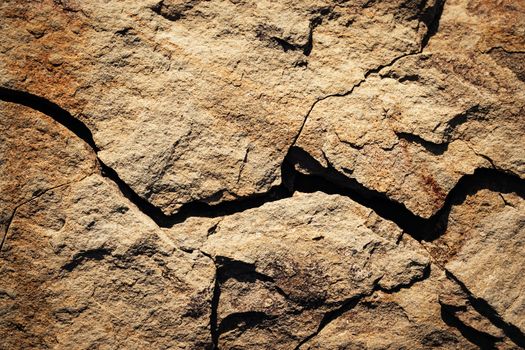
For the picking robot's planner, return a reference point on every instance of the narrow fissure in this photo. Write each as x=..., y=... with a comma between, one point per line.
x=484, y=309
x=476, y=337
x=327, y=180
x=9, y=221
x=6, y=228
x=214, y=327
x=349, y=304
x=331, y=316
x=367, y=74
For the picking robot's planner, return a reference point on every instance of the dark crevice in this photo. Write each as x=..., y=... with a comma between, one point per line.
x=197, y=208
x=329, y=180
x=214, y=329
x=484, y=309
x=6, y=228
x=243, y=320
x=52, y=110
x=81, y=257
x=431, y=18
x=432, y=147
x=480, y=339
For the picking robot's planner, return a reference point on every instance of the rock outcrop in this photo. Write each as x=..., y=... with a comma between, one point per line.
x=322, y=174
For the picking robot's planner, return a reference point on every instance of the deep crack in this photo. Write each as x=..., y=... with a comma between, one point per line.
x=432, y=18
x=486, y=310
x=331, y=181
x=327, y=180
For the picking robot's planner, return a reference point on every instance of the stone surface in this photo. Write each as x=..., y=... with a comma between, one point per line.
x=83, y=269
x=483, y=248
x=231, y=174
x=407, y=319
x=289, y=263
x=412, y=130
x=199, y=83
x=36, y=154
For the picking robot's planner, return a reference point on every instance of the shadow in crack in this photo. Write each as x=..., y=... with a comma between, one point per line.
x=329, y=180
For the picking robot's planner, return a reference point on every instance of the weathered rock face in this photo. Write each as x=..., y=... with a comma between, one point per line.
x=36, y=155
x=288, y=264
x=483, y=249
x=416, y=127
x=408, y=319
x=262, y=175
x=195, y=84
x=82, y=269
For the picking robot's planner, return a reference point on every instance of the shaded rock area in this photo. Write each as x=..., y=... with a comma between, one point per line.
x=321, y=174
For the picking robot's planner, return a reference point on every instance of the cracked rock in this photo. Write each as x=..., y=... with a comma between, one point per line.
x=482, y=249
x=407, y=319
x=232, y=174
x=284, y=267
x=36, y=155
x=170, y=89
x=412, y=130
x=84, y=269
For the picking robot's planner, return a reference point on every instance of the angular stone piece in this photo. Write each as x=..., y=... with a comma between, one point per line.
x=83, y=268
x=199, y=100
x=285, y=265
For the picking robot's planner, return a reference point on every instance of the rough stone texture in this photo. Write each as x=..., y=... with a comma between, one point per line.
x=289, y=263
x=83, y=269
x=231, y=174
x=415, y=128
x=483, y=248
x=407, y=319
x=36, y=155
x=196, y=85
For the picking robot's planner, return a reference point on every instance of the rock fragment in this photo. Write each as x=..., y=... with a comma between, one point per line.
x=284, y=267
x=83, y=268
x=482, y=249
